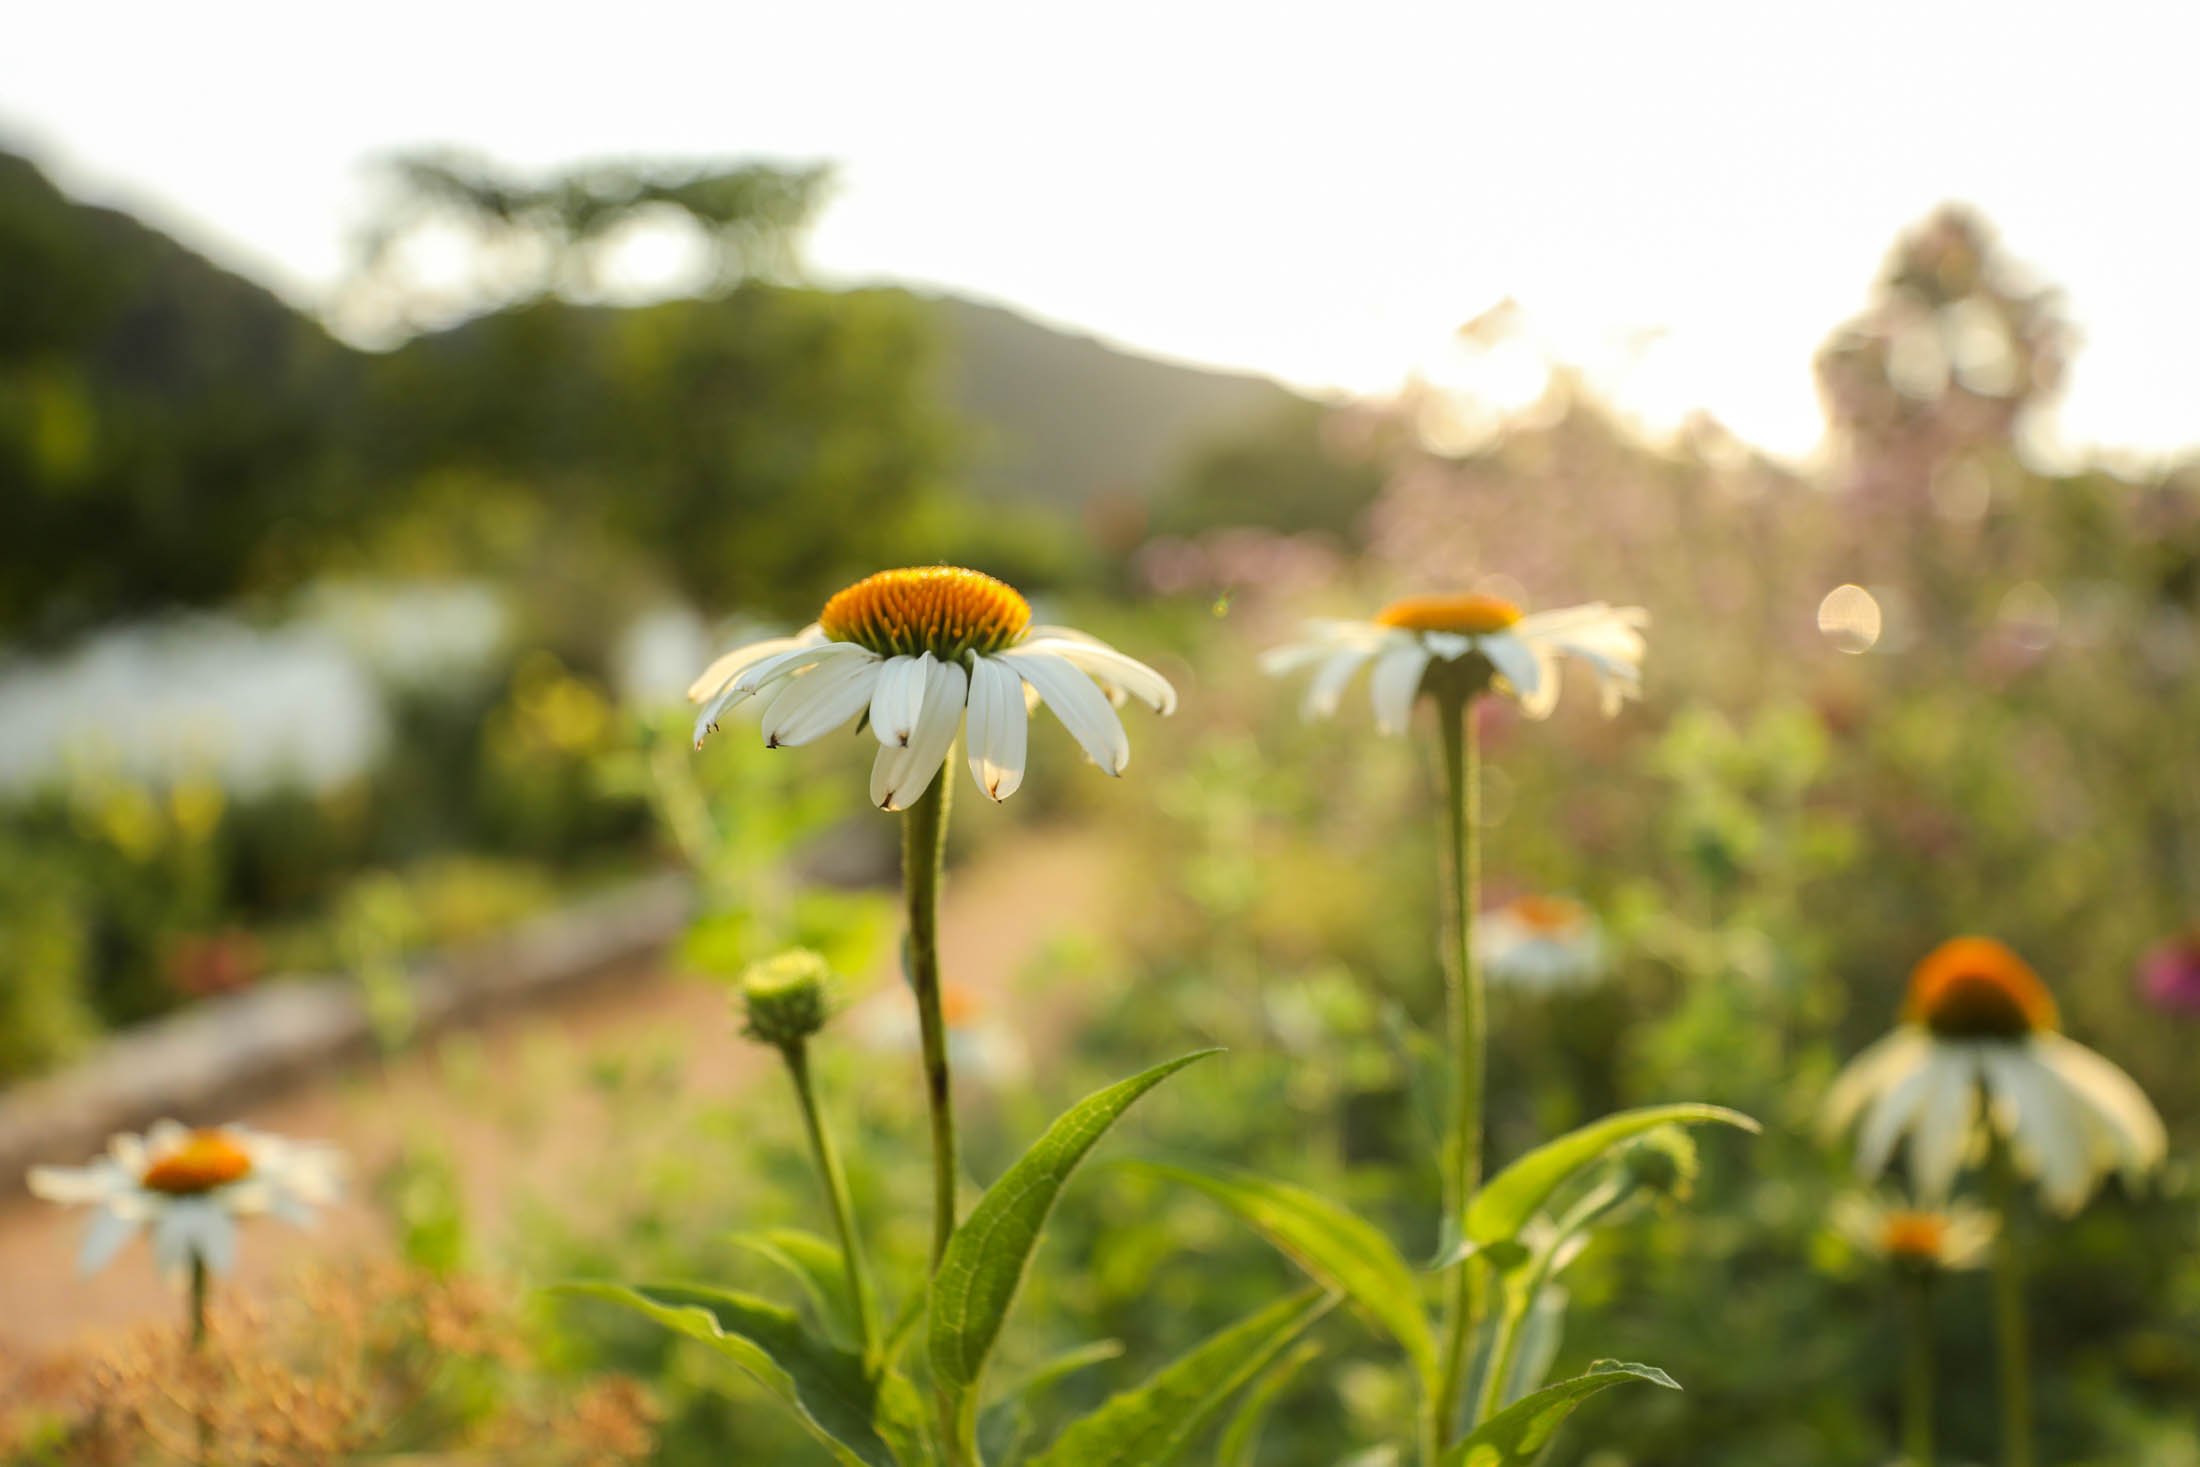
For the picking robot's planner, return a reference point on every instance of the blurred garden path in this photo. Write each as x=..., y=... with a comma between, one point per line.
x=510, y=1102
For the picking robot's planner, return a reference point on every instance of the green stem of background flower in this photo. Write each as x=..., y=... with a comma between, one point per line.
x=829, y=1170
x=1917, y=1379
x=923, y=852
x=202, y=1423
x=2010, y=1331
x=1466, y=1024
x=198, y=1302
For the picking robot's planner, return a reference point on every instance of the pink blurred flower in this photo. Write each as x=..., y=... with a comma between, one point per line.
x=2169, y=974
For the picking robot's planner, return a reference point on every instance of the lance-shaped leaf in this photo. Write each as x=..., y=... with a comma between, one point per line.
x=1336, y=1247
x=988, y=1255
x=825, y=1386
x=814, y=1265
x=1504, y=1205
x=1145, y=1427
x=1517, y=1435
x=1005, y=1425
x=1242, y=1435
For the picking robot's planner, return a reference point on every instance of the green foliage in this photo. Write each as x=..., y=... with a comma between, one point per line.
x=1337, y=1249
x=1518, y=1435
x=1282, y=473
x=991, y=1249
x=827, y=1388
x=1515, y=1195
x=1148, y=1426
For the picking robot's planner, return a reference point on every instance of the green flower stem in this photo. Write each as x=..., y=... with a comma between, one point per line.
x=923, y=851
x=1467, y=1024
x=2010, y=1330
x=1585, y=1214
x=1917, y=1379
x=198, y=1302
x=829, y=1171
x=203, y=1416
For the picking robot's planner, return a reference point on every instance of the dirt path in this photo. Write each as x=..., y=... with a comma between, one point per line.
x=998, y=914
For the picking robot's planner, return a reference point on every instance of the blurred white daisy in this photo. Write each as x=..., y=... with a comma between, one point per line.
x=1540, y=943
x=1485, y=638
x=1979, y=1041
x=190, y=1187
x=916, y=653
x=1956, y=1236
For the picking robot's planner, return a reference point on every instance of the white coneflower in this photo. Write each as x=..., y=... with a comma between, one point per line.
x=918, y=653
x=1486, y=636
x=1540, y=943
x=189, y=1188
x=1946, y=1238
x=1979, y=1041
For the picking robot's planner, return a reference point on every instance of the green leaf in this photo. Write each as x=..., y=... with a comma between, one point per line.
x=1242, y=1435
x=1506, y=1203
x=825, y=1386
x=1333, y=1245
x=1515, y=1436
x=1005, y=1425
x=988, y=1255
x=815, y=1265
x=1145, y=1427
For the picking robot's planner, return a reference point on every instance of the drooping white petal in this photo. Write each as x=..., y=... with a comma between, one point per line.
x=1078, y=703
x=1871, y=1072
x=2126, y=1116
x=1890, y=1115
x=758, y=678
x=1395, y=681
x=109, y=1230
x=1945, y=1121
x=899, y=698
x=740, y=659
x=998, y=728
x=2040, y=1119
x=808, y=707
x=1107, y=666
x=1517, y=663
x=900, y=775
x=1326, y=689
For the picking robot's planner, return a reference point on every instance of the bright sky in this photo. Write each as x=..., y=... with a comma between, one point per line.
x=1684, y=197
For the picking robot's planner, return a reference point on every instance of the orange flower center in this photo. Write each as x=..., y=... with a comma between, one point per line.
x=1914, y=1236
x=1976, y=988
x=1547, y=914
x=205, y=1160
x=1467, y=615
x=940, y=609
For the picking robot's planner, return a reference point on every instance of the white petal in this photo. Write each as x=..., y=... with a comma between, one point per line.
x=1891, y=1115
x=1872, y=1071
x=899, y=698
x=1945, y=1124
x=1393, y=684
x=1516, y=662
x=1330, y=680
x=998, y=727
x=811, y=706
x=109, y=1230
x=2040, y=1118
x=1108, y=666
x=727, y=668
x=1078, y=704
x=77, y=1186
x=902, y=774
x=756, y=677
x=2125, y=1114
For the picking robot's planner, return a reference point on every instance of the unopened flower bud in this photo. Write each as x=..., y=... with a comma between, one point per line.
x=1662, y=1164
x=786, y=999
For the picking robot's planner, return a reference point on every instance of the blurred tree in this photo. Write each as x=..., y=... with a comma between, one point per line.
x=1285, y=472
x=517, y=239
